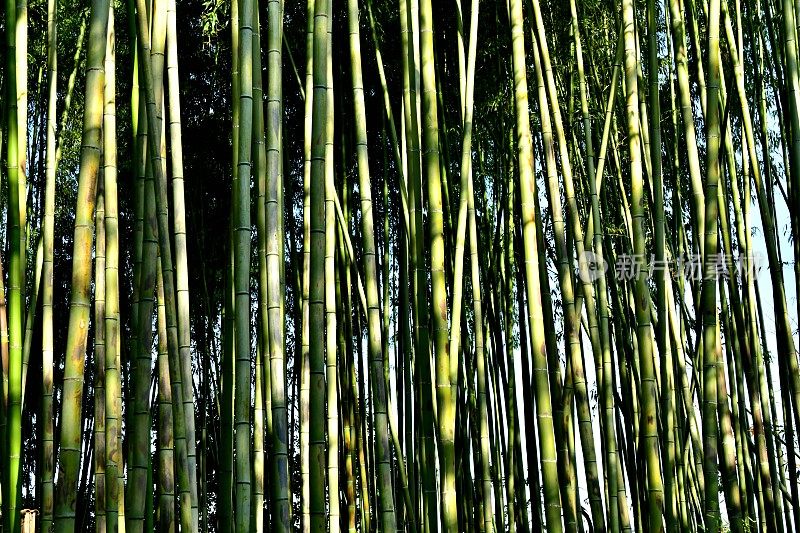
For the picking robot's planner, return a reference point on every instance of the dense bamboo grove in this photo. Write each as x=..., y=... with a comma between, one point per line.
x=410, y=265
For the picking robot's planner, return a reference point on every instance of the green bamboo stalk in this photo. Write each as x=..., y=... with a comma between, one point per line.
x=425, y=452
x=257, y=487
x=277, y=284
x=80, y=45
x=145, y=250
x=507, y=276
x=792, y=87
x=304, y=400
x=684, y=97
x=262, y=412
x=226, y=399
x=16, y=81
x=468, y=86
x=21, y=51
x=467, y=205
x=145, y=279
x=100, y=444
x=391, y=126
x=30, y=318
x=70, y=441
x=316, y=301
x=762, y=418
x=113, y=387
x=181, y=254
x=439, y=312
x=709, y=295
x=377, y=369
x=241, y=265
x=645, y=347
x=48, y=237
x=480, y=355
x=347, y=395
x=571, y=319
x=532, y=267
x=165, y=448
x=159, y=188
x=596, y=230
x=657, y=184
x=329, y=270
x=226, y=522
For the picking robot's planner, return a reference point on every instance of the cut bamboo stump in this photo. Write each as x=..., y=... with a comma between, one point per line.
x=28, y=520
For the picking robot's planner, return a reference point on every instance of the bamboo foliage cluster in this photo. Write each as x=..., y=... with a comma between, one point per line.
x=483, y=266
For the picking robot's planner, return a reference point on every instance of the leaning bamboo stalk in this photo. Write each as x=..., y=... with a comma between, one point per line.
x=785, y=339
x=159, y=187
x=670, y=403
x=468, y=205
x=468, y=86
x=76, y=63
x=595, y=229
x=574, y=219
x=181, y=253
x=144, y=280
x=377, y=370
x=30, y=318
x=684, y=97
x=387, y=106
x=732, y=464
x=138, y=459
x=792, y=87
x=762, y=417
x=532, y=267
x=507, y=283
x=556, y=378
x=571, y=317
x=420, y=313
x=575, y=228
x=739, y=350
